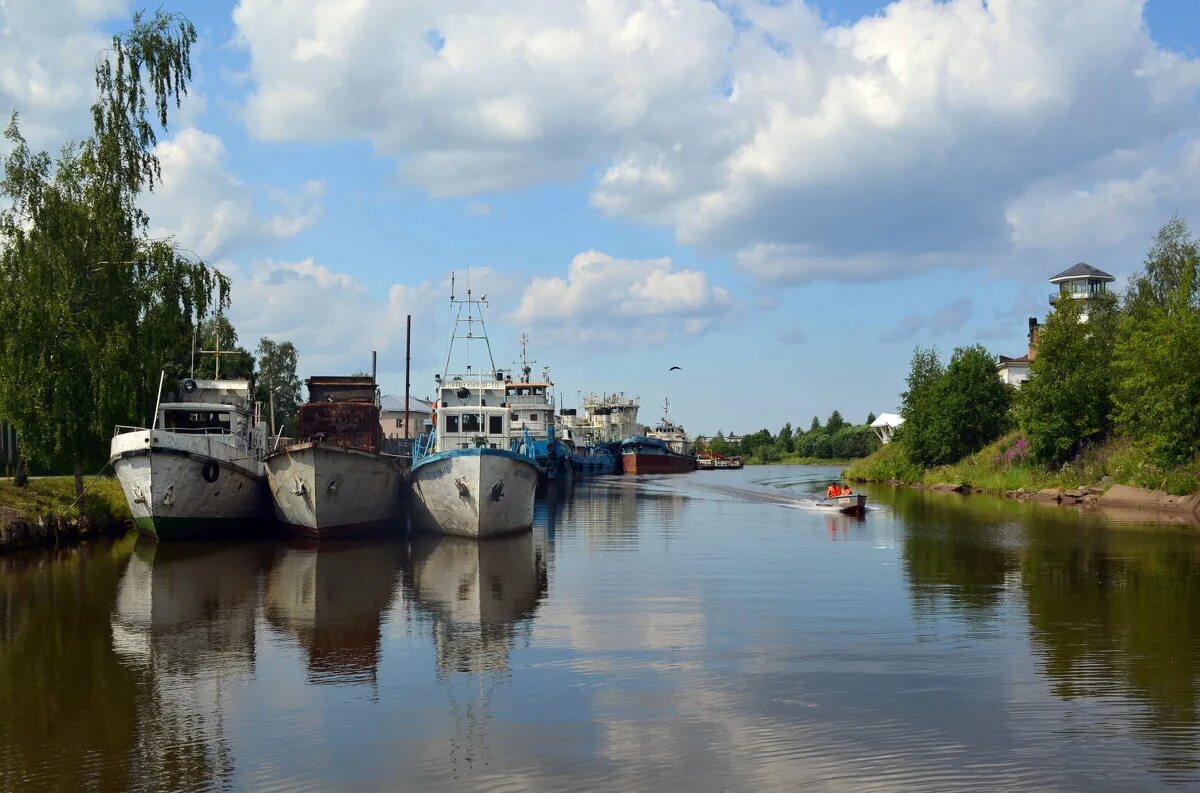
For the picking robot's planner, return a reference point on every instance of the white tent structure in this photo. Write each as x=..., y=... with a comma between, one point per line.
x=885, y=426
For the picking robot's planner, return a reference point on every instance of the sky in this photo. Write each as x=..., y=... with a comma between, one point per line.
x=781, y=198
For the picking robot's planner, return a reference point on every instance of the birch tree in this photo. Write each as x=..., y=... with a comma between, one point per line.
x=91, y=307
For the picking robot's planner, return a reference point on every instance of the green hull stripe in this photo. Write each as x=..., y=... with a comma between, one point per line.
x=200, y=528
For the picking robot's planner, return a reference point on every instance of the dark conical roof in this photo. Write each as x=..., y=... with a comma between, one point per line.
x=1082, y=270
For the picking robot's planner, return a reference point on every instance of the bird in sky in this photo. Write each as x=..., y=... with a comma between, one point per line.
x=673, y=368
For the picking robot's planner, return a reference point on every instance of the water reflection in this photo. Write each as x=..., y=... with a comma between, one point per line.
x=1119, y=613
x=331, y=598
x=184, y=618
x=476, y=594
x=69, y=710
x=1113, y=611
x=941, y=643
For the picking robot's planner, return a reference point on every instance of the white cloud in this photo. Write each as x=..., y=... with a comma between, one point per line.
x=604, y=301
x=335, y=320
x=209, y=210
x=473, y=97
x=48, y=56
x=914, y=138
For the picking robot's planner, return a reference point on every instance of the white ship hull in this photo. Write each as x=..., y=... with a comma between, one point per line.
x=182, y=486
x=474, y=492
x=324, y=490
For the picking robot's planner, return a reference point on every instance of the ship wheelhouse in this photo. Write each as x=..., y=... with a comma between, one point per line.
x=530, y=407
x=472, y=414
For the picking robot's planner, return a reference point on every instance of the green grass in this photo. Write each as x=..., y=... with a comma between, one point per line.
x=991, y=471
x=103, y=498
x=888, y=463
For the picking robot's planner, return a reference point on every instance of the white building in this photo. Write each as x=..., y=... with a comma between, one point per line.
x=885, y=426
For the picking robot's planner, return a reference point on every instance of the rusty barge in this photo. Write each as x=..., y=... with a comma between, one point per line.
x=333, y=480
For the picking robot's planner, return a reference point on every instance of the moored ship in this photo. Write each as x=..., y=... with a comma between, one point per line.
x=466, y=479
x=664, y=450
x=197, y=472
x=607, y=420
x=530, y=402
x=334, y=481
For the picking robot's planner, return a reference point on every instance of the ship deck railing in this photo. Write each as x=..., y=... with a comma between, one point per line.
x=121, y=429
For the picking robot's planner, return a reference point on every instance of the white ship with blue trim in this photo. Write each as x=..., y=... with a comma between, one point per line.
x=466, y=480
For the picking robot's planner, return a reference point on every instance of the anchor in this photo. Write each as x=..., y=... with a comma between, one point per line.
x=298, y=487
x=497, y=491
x=332, y=486
x=462, y=488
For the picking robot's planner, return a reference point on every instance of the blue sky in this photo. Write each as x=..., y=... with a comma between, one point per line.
x=783, y=199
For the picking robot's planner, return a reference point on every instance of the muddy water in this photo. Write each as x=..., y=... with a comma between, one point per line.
x=713, y=631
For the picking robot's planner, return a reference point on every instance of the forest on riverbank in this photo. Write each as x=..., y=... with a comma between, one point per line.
x=1113, y=395
x=835, y=440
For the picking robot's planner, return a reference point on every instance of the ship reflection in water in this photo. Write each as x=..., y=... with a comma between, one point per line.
x=185, y=621
x=697, y=632
x=475, y=595
x=331, y=598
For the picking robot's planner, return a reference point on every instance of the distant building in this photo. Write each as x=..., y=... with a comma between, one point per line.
x=391, y=416
x=885, y=426
x=1013, y=371
x=1078, y=282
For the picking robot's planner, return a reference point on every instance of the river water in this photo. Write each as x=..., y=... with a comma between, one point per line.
x=704, y=632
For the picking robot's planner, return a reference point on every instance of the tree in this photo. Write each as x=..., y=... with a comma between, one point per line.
x=1170, y=260
x=974, y=401
x=277, y=372
x=1068, y=397
x=871, y=419
x=236, y=361
x=92, y=307
x=925, y=434
x=784, y=441
x=835, y=422
x=1157, y=370
x=816, y=424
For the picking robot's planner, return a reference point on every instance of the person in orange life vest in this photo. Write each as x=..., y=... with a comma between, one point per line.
x=832, y=490
x=845, y=491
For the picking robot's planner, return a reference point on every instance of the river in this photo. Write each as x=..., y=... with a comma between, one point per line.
x=704, y=632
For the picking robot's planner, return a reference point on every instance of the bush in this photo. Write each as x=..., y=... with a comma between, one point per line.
x=954, y=411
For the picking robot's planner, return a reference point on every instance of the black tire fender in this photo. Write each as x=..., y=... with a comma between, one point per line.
x=211, y=471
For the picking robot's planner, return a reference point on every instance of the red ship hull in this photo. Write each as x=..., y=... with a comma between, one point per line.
x=644, y=463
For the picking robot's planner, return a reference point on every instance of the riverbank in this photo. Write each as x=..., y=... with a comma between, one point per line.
x=795, y=459
x=43, y=512
x=1111, y=474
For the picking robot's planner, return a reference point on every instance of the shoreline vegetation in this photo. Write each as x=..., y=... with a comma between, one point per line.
x=1110, y=411
x=44, y=511
x=1003, y=467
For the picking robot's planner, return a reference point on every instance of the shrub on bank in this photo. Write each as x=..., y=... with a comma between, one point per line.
x=103, y=498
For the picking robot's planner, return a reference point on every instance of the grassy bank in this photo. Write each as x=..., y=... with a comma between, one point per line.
x=103, y=498
x=1005, y=465
x=796, y=459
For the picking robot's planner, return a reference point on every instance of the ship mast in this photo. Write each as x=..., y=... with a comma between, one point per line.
x=468, y=307
x=526, y=369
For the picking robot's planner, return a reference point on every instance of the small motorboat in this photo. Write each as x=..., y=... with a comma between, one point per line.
x=847, y=504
